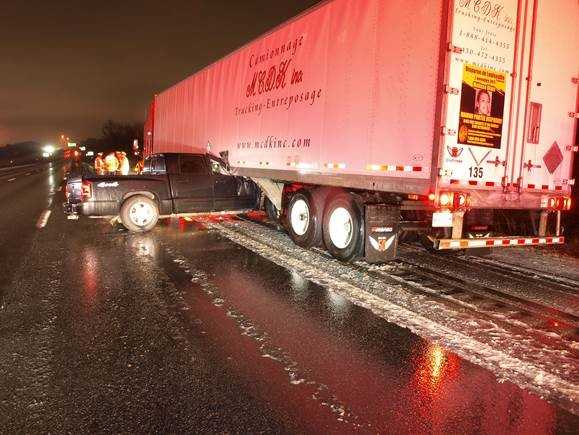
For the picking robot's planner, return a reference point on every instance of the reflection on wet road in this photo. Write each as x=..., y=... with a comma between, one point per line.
x=334, y=364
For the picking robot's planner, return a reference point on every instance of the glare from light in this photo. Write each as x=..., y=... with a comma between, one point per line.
x=48, y=149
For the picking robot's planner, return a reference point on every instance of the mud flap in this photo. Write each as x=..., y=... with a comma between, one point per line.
x=382, y=225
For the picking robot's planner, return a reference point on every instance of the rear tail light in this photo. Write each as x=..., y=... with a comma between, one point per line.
x=454, y=200
x=559, y=203
x=86, y=190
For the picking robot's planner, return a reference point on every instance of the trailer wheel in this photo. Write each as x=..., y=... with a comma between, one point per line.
x=139, y=214
x=343, y=228
x=304, y=220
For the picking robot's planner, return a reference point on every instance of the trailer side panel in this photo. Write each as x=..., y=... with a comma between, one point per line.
x=345, y=92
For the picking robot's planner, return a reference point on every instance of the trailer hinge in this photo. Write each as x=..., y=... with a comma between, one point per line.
x=450, y=90
x=504, y=182
x=497, y=162
x=448, y=131
x=570, y=182
x=572, y=148
x=454, y=49
x=529, y=166
x=575, y=80
x=574, y=115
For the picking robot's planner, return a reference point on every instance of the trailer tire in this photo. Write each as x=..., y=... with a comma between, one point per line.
x=343, y=228
x=139, y=214
x=304, y=220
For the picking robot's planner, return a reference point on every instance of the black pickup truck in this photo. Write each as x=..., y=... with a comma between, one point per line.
x=170, y=184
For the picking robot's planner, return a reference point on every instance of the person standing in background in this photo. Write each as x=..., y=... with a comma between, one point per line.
x=124, y=166
x=99, y=164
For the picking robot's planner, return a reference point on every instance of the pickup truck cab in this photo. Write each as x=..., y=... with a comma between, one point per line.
x=170, y=184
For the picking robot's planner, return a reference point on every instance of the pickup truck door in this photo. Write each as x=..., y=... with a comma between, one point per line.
x=230, y=191
x=193, y=185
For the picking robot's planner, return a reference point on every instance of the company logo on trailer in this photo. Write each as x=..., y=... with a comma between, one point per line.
x=455, y=152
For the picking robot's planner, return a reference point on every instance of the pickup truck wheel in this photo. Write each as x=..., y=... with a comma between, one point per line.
x=304, y=220
x=343, y=232
x=139, y=214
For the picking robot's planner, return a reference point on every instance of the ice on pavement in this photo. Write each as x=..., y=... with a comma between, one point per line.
x=518, y=357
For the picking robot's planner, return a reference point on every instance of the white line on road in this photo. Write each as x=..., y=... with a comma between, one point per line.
x=43, y=219
x=11, y=179
x=28, y=173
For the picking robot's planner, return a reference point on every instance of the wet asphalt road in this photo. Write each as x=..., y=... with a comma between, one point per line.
x=181, y=330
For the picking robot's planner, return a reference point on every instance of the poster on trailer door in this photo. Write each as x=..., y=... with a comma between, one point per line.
x=482, y=107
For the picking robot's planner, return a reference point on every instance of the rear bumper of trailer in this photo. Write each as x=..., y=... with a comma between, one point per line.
x=496, y=242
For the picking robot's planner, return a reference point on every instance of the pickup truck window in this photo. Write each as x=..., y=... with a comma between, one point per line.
x=192, y=165
x=158, y=165
x=154, y=165
x=147, y=166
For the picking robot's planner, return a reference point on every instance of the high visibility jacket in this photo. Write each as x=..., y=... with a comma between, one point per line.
x=124, y=166
x=111, y=163
x=99, y=165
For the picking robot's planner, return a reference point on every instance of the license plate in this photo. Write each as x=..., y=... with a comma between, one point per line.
x=442, y=220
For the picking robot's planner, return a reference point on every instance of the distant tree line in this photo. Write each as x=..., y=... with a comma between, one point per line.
x=116, y=136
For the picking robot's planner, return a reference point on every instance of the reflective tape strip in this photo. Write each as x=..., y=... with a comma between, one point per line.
x=473, y=183
x=394, y=168
x=544, y=187
x=335, y=165
x=302, y=165
x=498, y=242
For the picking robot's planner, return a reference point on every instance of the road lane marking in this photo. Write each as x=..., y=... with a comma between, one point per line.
x=28, y=173
x=11, y=179
x=43, y=219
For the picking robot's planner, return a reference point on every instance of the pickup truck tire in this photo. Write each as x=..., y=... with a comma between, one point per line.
x=304, y=220
x=139, y=214
x=343, y=228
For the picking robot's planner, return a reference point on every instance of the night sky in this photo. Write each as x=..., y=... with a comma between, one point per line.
x=69, y=65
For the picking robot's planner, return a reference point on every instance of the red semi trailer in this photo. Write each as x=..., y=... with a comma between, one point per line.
x=362, y=120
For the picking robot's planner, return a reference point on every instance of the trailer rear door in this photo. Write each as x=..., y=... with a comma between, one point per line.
x=549, y=134
x=479, y=88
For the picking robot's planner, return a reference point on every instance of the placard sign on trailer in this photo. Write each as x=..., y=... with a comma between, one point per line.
x=482, y=107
